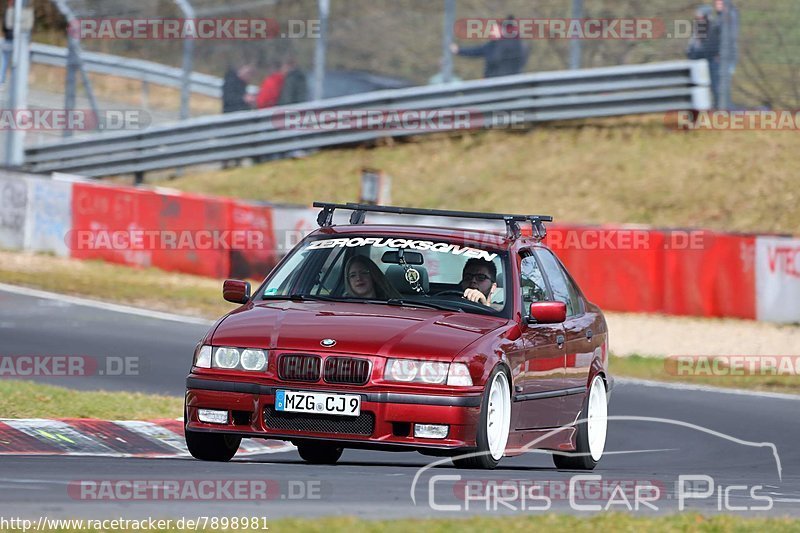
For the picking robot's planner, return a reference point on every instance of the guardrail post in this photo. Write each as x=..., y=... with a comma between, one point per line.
x=320, y=50
x=188, y=56
x=447, y=40
x=18, y=90
x=70, y=85
x=575, y=45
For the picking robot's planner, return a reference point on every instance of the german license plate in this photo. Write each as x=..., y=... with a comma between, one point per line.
x=318, y=402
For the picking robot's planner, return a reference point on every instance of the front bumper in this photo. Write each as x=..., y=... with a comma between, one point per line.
x=387, y=418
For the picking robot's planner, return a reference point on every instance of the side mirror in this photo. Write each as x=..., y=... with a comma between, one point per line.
x=547, y=313
x=236, y=291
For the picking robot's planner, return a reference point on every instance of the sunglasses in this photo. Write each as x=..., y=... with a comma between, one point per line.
x=477, y=277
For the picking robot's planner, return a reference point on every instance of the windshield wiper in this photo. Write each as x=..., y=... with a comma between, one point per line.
x=301, y=297
x=426, y=305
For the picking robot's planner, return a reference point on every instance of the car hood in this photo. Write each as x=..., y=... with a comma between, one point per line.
x=366, y=329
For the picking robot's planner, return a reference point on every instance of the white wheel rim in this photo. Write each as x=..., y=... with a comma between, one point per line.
x=498, y=419
x=597, y=418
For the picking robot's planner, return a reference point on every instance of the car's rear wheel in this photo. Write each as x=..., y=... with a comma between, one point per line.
x=212, y=446
x=592, y=431
x=319, y=454
x=494, y=424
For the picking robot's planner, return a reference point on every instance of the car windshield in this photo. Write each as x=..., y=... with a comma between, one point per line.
x=394, y=270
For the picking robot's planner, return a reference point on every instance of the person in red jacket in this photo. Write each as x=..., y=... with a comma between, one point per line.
x=271, y=88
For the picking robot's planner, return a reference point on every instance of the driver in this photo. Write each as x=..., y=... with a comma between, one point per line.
x=478, y=280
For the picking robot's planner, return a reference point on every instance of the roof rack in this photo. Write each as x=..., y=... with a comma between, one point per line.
x=359, y=211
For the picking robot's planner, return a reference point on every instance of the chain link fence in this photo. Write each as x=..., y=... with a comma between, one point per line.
x=396, y=43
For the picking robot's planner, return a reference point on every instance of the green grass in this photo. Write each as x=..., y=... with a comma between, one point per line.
x=659, y=369
x=615, y=522
x=24, y=399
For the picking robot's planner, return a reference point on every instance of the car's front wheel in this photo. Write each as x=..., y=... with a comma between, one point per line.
x=494, y=424
x=319, y=454
x=592, y=430
x=212, y=446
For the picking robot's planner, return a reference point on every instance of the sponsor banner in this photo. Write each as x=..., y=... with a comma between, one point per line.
x=615, y=277
x=49, y=216
x=777, y=268
x=715, y=280
x=253, y=262
x=13, y=209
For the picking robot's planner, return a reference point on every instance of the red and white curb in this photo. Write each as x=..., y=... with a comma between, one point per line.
x=108, y=438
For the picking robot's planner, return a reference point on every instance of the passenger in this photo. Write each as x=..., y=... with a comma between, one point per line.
x=479, y=281
x=364, y=279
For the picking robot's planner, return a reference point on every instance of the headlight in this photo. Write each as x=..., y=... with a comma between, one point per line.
x=253, y=359
x=459, y=375
x=432, y=372
x=401, y=370
x=226, y=358
x=202, y=357
x=409, y=370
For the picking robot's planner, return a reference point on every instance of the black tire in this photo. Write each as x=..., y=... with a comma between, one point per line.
x=582, y=460
x=219, y=447
x=319, y=454
x=483, y=460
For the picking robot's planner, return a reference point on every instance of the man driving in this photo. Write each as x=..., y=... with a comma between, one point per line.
x=479, y=280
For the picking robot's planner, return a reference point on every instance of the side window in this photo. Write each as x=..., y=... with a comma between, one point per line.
x=563, y=290
x=330, y=275
x=532, y=282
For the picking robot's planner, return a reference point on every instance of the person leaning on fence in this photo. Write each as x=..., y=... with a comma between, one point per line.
x=705, y=44
x=271, y=87
x=295, y=86
x=504, y=53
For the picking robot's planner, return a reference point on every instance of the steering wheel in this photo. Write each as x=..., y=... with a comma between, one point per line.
x=450, y=292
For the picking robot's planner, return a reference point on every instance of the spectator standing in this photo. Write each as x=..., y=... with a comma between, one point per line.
x=705, y=44
x=8, y=39
x=504, y=53
x=295, y=85
x=234, y=89
x=271, y=88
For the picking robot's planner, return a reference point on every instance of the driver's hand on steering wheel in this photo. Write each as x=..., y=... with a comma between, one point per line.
x=474, y=295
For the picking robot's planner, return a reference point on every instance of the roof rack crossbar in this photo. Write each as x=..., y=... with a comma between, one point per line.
x=325, y=217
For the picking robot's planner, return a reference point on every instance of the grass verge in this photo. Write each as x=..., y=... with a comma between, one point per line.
x=25, y=399
x=658, y=369
x=549, y=522
x=603, y=171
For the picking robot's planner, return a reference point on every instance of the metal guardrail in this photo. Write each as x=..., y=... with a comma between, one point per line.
x=540, y=97
x=126, y=67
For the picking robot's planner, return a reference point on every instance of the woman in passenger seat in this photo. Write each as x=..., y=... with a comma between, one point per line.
x=363, y=279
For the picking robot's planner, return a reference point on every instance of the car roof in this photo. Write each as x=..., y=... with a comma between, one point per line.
x=475, y=237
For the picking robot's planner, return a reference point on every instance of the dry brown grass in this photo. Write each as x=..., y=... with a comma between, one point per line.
x=602, y=171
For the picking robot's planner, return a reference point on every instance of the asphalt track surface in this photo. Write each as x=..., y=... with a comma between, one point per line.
x=732, y=438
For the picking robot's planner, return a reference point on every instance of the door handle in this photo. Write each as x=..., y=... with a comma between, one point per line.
x=589, y=334
x=560, y=341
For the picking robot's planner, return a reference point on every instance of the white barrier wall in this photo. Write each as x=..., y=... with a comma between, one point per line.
x=49, y=216
x=13, y=207
x=778, y=279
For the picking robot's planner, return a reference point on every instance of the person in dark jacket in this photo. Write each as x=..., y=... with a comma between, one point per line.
x=234, y=89
x=504, y=56
x=295, y=86
x=705, y=44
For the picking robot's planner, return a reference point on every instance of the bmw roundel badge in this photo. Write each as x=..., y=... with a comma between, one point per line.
x=327, y=342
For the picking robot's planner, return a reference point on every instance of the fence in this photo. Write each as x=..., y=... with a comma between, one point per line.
x=525, y=99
